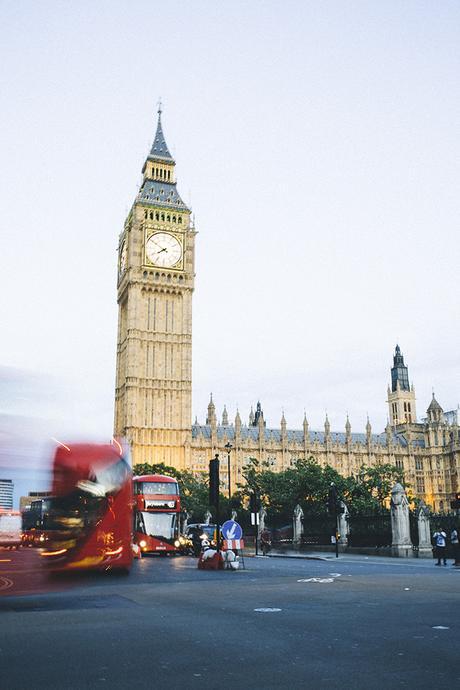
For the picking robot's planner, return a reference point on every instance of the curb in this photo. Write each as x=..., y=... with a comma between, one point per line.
x=286, y=555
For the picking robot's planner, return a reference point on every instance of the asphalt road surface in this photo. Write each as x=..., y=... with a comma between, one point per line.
x=279, y=623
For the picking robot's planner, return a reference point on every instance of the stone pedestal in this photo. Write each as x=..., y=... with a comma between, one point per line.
x=401, y=545
x=262, y=518
x=297, y=524
x=425, y=549
x=343, y=524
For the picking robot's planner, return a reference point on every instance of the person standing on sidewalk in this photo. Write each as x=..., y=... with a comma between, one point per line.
x=439, y=538
x=455, y=546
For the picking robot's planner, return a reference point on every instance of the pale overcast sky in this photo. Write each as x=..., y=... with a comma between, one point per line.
x=318, y=144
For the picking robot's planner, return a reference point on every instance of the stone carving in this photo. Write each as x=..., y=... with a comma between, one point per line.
x=424, y=531
x=186, y=518
x=207, y=517
x=343, y=523
x=401, y=544
x=234, y=515
x=262, y=518
x=297, y=524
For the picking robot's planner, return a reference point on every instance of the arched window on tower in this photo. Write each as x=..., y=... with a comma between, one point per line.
x=162, y=216
x=168, y=218
x=151, y=215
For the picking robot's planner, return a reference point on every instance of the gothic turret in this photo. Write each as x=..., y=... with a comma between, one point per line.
x=399, y=372
x=368, y=431
x=388, y=433
x=435, y=412
x=237, y=422
x=283, y=424
x=258, y=417
x=348, y=429
x=305, y=426
x=225, y=417
x=401, y=396
x=211, y=416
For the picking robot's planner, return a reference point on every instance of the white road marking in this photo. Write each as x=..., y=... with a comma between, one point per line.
x=440, y=627
x=267, y=610
x=317, y=579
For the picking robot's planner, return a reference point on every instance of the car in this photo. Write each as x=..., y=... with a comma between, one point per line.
x=207, y=531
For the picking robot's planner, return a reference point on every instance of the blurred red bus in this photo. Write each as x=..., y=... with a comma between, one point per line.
x=89, y=516
x=156, y=513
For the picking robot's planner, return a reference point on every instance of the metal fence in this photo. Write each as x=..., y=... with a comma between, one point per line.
x=370, y=530
x=413, y=524
x=318, y=530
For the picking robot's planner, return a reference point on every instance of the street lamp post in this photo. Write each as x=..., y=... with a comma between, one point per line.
x=228, y=447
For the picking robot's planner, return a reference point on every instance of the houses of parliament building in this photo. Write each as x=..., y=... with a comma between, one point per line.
x=153, y=395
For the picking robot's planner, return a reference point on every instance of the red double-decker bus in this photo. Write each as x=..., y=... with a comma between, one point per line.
x=156, y=513
x=89, y=515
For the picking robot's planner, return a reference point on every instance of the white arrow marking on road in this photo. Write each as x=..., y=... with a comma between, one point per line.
x=231, y=532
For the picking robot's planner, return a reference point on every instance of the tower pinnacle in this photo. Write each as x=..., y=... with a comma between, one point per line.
x=159, y=151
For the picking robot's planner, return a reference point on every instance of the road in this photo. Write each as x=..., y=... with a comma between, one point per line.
x=357, y=624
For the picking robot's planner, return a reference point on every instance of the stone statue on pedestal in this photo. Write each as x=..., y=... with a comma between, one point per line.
x=207, y=517
x=401, y=544
x=297, y=524
x=262, y=518
x=343, y=525
x=424, y=532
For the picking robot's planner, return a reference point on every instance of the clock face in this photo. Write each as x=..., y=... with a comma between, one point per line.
x=163, y=249
x=123, y=257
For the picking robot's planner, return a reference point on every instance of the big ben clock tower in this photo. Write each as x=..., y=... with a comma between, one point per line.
x=154, y=346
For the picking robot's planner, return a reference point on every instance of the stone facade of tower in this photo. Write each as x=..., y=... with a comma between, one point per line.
x=401, y=396
x=154, y=345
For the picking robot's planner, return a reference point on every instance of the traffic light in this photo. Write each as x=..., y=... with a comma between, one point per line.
x=332, y=500
x=254, y=502
x=214, y=481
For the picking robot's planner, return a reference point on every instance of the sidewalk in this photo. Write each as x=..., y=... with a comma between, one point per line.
x=351, y=558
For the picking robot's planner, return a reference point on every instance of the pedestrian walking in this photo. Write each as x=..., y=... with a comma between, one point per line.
x=265, y=541
x=455, y=546
x=439, y=538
